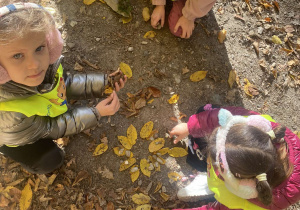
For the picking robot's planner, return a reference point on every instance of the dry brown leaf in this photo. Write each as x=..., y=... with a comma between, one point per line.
x=110, y=206
x=140, y=103
x=250, y=89
x=185, y=70
x=106, y=173
x=155, y=92
x=256, y=47
x=81, y=176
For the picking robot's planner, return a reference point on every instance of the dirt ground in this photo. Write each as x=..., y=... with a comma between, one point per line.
x=96, y=34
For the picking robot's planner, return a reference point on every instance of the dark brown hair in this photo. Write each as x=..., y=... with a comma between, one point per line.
x=250, y=152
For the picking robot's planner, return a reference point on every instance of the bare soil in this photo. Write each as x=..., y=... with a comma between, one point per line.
x=96, y=34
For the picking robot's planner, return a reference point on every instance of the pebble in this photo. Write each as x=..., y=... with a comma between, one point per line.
x=144, y=42
x=267, y=26
x=130, y=49
x=71, y=45
x=73, y=23
x=260, y=30
x=97, y=39
x=140, y=182
x=163, y=189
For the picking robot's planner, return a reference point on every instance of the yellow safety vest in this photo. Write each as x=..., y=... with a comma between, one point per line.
x=223, y=195
x=49, y=104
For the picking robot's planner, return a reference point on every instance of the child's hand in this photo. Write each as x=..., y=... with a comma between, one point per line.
x=158, y=14
x=181, y=131
x=122, y=83
x=109, y=106
x=186, y=25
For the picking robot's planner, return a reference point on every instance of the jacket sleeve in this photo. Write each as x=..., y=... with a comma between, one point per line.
x=85, y=86
x=197, y=8
x=17, y=129
x=205, y=122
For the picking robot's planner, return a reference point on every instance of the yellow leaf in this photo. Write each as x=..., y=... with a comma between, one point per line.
x=222, y=36
x=119, y=151
x=100, y=149
x=177, y=152
x=231, y=78
x=134, y=175
x=140, y=198
x=125, y=68
x=164, y=196
x=276, y=39
x=26, y=197
x=144, y=165
x=127, y=163
x=126, y=19
x=173, y=99
x=149, y=35
x=108, y=90
x=102, y=1
x=146, y=14
x=163, y=151
x=159, y=185
x=88, y=2
x=150, y=101
x=144, y=207
x=146, y=130
x=174, y=176
x=132, y=134
x=125, y=142
x=157, y=144
x=198, y=76
x=250, y=89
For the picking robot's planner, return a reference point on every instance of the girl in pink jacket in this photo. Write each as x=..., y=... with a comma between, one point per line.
x=182, y=15
x=252, y=161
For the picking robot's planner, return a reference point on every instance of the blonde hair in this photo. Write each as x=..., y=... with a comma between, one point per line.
x=17, y=24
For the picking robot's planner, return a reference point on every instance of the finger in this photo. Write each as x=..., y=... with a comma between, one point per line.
x=154, y=22
x=108, y=99
x=162, y=21
x=177, y=139
x=176, y=27
x=117, y=87
x=122, y=83
x=115, y=99
x=125, y=79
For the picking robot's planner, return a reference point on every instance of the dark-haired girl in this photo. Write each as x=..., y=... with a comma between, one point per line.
x=252, y=161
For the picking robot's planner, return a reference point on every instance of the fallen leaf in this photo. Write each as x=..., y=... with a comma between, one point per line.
x=174, y=176
x=140, y=103
x=144, y=165
x=164, y=196
x=156, y=145
x=146, y=14
x=127, y=163
x=276, y=5
x=289, y=29
x=26, y=197
x=106, y=173
x=140, y=198
x=146, y=130
x=108, y=90
x=125, y=68
x=276, y=39
x=267, y=19
x=150, y=101
x=88, y=2
x=110, y=206
x=185, y=70
x=231, y=78
x=198, y=76
x=155, y=92
x=256, y=47
x=126, y=19
x=250, y=89
x=78, y=67
x=150, y=35
x=174, y=99
x=81, y=176
x=144, y=207
x=131, y=134
x=163, y=151
x=135, y=174
x=100, y=149
x=159, y=185
x=288, y=51
x=177, y=152
x=119, y=151
x=222, y=35
x=125, y=142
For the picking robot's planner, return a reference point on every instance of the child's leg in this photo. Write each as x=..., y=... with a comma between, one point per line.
x=174, y=16
x=41, y=157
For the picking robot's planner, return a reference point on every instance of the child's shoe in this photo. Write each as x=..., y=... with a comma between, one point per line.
x=196, y=190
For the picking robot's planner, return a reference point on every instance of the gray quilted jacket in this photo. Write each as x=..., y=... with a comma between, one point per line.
x=18, y=129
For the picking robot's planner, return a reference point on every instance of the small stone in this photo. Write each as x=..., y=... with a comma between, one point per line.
x=163, y=189
x=251, y=33
x=260, y=30
x=144, y=42
x=267, y=26
x=71, y=45
x=73, y=23
x=97, y=39
x=130, y=49
x=140, y=182
x=112, y=125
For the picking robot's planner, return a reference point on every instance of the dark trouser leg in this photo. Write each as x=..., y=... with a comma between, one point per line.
x=41, y=157
x=192, y=158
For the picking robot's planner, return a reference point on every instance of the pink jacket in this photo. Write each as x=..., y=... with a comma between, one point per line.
x=193, y=8
x=284, y=195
